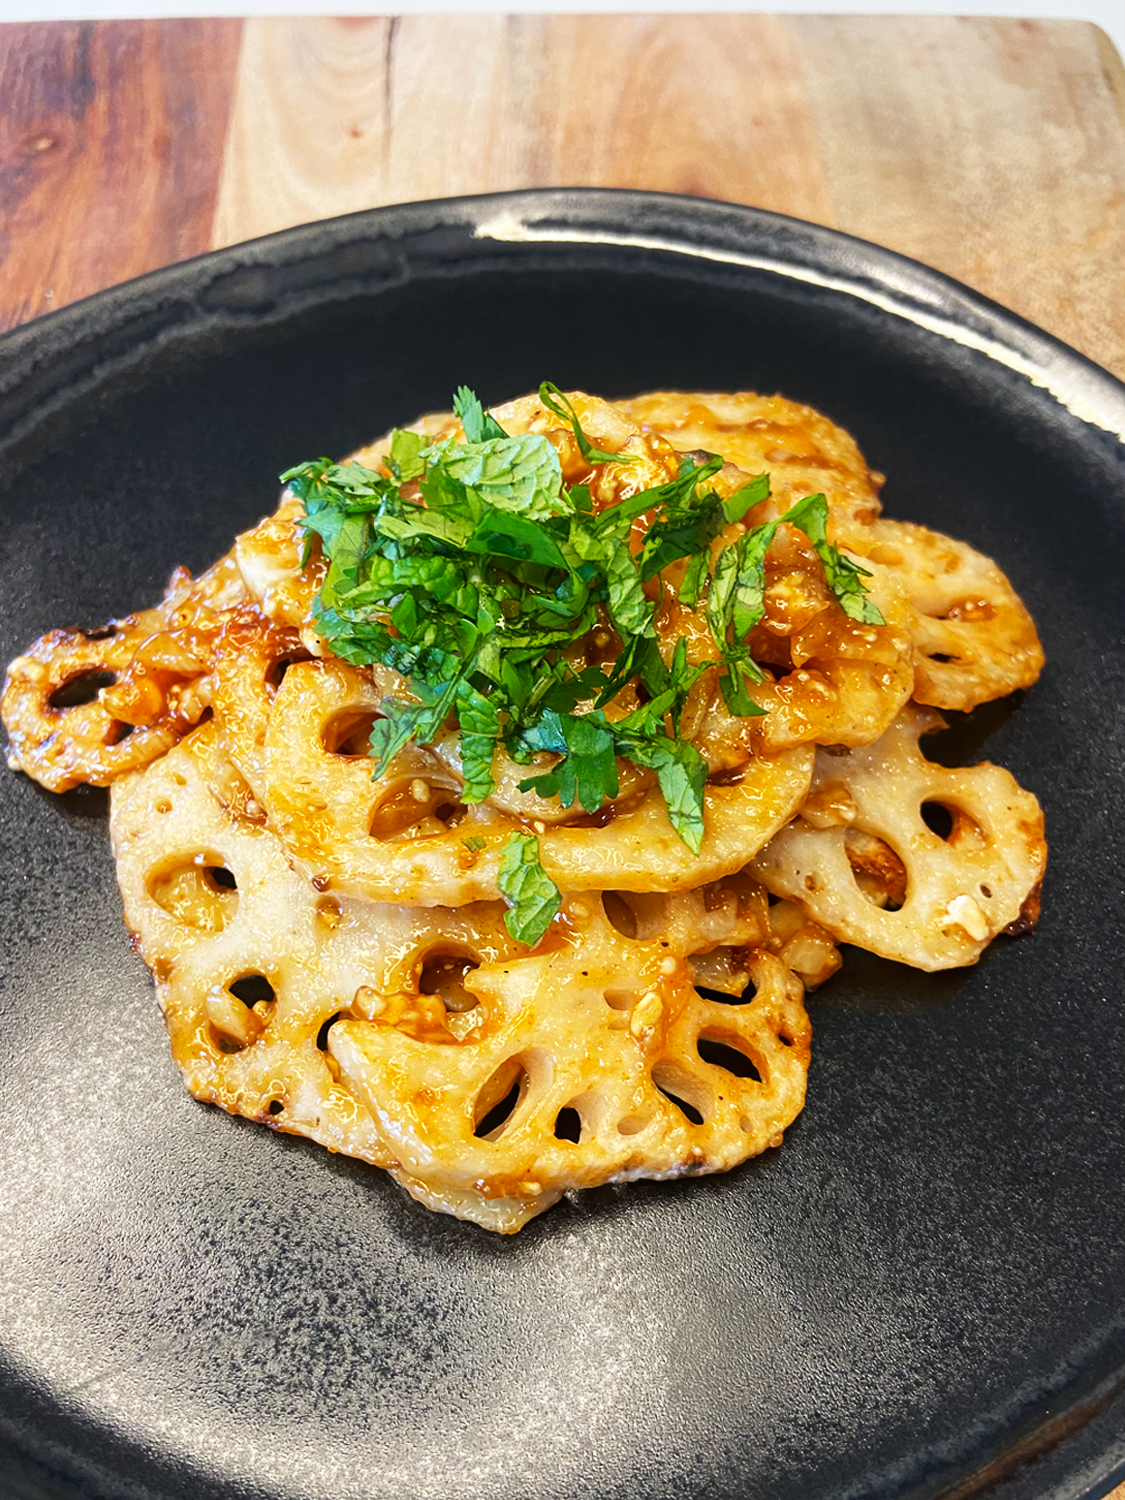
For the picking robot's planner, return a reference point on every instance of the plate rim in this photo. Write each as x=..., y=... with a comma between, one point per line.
x=700, y=229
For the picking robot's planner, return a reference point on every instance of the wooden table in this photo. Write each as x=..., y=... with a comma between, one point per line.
x=992, y=149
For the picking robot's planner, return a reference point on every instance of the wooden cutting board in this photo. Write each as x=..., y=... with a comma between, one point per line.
x=992, y=149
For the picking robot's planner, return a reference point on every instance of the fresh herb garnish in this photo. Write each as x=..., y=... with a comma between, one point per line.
x=560, y=406
x=480, y=593
x=533, y=897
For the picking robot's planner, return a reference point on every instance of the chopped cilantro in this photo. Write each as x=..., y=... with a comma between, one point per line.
x=478, y=595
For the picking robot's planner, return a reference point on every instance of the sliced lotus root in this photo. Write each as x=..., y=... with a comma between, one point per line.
x=973, y=638
x=733, y=913
x=269, y=560
x=803, y=452
x=597, y=1060
x=408, y=837
x=906, y=858
x=253, y=967
x=269, y=987
x=831, y=680
x=85, y=706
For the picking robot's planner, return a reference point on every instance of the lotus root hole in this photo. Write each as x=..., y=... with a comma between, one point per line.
x=276, y=674
x=197, y=890
x=275, y=1107
x=253, y=990
x=954, y=825
x=415, y=809
x=721, y=1054
x=675, y=1084
x=630, y=1125
x=879, y=872
x=938, y=818
x=326, y=1027
x=568, y=1125
x=443, y=973
x=498, y=1100
x=619, y=914
x=83, y=688
x=349, y=733
x=619, y=999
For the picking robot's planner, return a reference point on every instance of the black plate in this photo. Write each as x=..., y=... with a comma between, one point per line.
x=922, y=1293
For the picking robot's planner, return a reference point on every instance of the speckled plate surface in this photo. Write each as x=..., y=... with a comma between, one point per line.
x=922, y=1293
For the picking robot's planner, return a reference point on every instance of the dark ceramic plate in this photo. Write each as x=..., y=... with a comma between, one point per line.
x=922, y=1293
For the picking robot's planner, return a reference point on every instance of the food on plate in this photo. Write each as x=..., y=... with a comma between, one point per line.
x=486, y=813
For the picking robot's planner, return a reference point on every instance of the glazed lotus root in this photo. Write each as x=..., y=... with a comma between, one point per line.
x=84, y=706
x=391, y=1034
x=803, y=452
x=408, y=837
x=253, y=966
x=599, y=1059
x=863, y=861
x=329, y=950
x=973, y=638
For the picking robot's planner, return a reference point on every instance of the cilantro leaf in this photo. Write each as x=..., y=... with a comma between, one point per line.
x=587, y=769
x=478, y=424
x=533, y=897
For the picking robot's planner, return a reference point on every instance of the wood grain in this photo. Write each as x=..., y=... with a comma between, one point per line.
x=110, y=139
x=994, y=150
x=425, y=107
x=991, y=149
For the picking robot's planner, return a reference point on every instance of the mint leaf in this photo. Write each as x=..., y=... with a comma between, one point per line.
x=842, y=575
x=629, y=608
x=736, y=506
x=405, y=461
x=533, y=898
x=480, y=731
x=555, y=401
x=519, y=474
